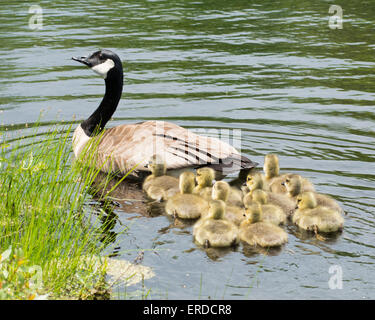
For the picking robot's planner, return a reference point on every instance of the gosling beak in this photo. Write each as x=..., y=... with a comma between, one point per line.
x=283, y=183
x=146, y=165
x=244, y=184
x=83, y=60
x=296, y=207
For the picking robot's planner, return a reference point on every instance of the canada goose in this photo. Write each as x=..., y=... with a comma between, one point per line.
x=159, y=186
x=271, y=170
x=221, y=191
x=294, y=188
x=311, y=216
x=214, y=230
x=204, y=178
x=186, y=205
x=254, y=231
x=270, y=213
x=128, y=146
x=256, y=182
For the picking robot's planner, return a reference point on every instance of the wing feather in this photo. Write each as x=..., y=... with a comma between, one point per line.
x=131, y=144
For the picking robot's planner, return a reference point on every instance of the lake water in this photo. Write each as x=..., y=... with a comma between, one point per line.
x=272, y=70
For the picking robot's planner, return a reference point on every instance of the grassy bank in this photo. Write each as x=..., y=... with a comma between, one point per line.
x=48, y=244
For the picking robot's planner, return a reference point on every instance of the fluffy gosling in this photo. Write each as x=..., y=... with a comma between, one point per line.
x=158, y=185
x=271, y=170
x=204, y=178
x=294, y=188
x=271, y=213
x=314, y=217
x=214, y=230
x=256, y=182
x=185, y=204
x=255, y=232
x=221, y=191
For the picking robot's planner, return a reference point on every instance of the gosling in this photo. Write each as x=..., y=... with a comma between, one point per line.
x=221, y=191
x=204, y=178
x=314, y=217
x=256, y=232
x=185, y=204
x=255, y=182
x=270, y=213
x=158, y=185
x=271, y=170
x=214, y=230
x=294, y=188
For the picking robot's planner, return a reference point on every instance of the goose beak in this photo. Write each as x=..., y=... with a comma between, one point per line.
x=83, y=60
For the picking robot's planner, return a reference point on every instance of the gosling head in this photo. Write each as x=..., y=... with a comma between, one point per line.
x=220, y=190
x=254, y=182
x=271, y=166
x=187, y=182
x=157, y=166
x=293, y=185
x=216, y=209
x=104, y=62
x=205, y=176
x=254, y=213
x=306, y=200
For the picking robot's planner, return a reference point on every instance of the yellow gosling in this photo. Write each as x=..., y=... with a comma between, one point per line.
x=256, y=232
x=185, y=204
x=271, y=213
x=314, y=217
x=221, y=191
x=204, y=178
x=214, y=230
x=294, y=188
x=276, y=181
x=283, y=201
x=158, y=185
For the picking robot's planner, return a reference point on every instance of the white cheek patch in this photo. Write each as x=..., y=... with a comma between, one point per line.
x=103, y=68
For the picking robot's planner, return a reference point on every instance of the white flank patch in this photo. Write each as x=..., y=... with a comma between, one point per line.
x=80, y=138
x=103, y=68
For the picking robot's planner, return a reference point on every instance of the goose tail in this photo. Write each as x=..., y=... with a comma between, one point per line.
x=234, y=163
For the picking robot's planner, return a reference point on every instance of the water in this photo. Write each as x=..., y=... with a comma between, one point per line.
x=274, y=70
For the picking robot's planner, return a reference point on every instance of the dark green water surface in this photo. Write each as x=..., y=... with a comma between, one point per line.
x=272, y=69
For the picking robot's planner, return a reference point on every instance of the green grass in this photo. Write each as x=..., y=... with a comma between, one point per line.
x=49, y=243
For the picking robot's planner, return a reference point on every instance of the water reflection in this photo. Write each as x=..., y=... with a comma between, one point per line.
x=275, y=71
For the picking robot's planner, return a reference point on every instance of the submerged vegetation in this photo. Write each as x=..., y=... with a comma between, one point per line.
x=49, y=243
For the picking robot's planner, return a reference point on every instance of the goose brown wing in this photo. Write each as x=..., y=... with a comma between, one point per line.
x=133, y=144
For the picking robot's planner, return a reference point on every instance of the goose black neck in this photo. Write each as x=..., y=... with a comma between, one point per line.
x=113, y=90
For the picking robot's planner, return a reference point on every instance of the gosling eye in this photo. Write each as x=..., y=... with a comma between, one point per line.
x=298, y=200
x=287, y=180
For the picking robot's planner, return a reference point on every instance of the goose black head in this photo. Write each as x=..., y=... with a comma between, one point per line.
x=104, y=62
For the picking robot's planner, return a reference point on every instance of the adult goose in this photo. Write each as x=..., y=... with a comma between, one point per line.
x=131, y=145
